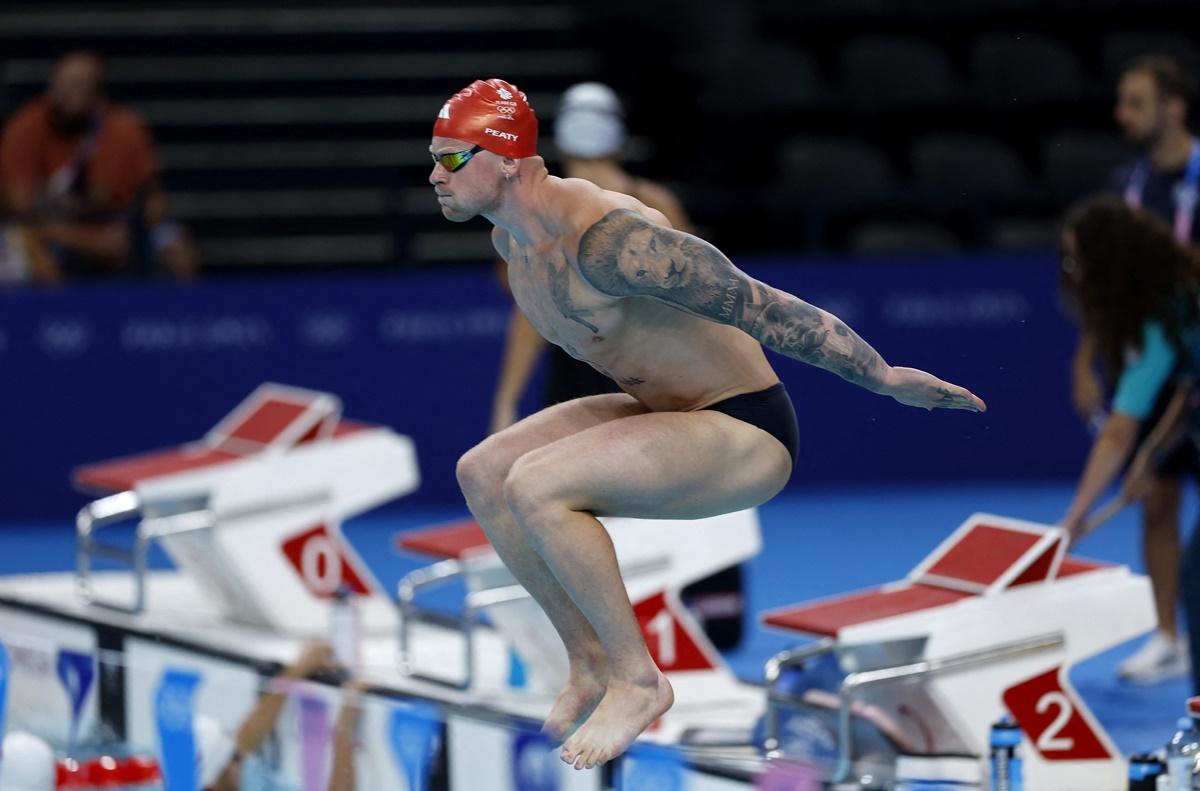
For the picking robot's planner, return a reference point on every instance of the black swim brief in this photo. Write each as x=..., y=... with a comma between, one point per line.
x=770, y=409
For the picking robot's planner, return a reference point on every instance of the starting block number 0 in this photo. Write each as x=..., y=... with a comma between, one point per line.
x=317, y=557
x=321, y=565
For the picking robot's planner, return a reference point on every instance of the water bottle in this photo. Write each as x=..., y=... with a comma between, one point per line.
x=343, y=629
x=1144, y=769
x=1181, y=753
x=1005, y=760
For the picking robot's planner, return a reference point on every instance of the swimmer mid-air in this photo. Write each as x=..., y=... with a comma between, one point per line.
x=704, y=426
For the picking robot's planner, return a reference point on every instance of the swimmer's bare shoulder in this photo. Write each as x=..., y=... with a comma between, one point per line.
x=580, y=205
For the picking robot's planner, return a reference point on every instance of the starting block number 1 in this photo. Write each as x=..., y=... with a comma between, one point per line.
x=672, y=645
x=662, y=629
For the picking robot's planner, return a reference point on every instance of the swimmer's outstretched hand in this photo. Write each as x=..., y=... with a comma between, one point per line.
x=917, y=388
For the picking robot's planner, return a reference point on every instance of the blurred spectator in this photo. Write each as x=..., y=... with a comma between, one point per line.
x=26, y=763
x=81, y=175
x=1153, y=95
x=1138, y=293
x=22, y=256
x=224, y=759
x=590, y=133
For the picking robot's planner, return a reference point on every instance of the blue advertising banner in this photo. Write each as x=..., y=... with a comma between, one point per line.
x=95, y=371
x=176, y=738
x=535, y=761
x=649, y=767
x=3, y=686
x=76, y=672
x=414, y=731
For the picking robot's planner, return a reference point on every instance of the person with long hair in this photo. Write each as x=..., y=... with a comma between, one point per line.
x=1136, y=291
x=1153, y=95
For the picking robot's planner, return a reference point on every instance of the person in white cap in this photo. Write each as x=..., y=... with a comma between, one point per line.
x=26, y=763
x=589, y=132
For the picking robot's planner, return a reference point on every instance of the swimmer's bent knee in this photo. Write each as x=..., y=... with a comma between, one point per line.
x=526, y=489
x=480, y=475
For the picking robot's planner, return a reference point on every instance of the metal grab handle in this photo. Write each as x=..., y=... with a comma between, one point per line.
x=934, y=666
x=406, y=593
x=446, y=570
x=772, y=670
x=478, y=600
x=101, y=513
x=184, y=515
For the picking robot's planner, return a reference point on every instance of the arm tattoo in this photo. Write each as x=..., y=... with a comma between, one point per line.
x=625, y=255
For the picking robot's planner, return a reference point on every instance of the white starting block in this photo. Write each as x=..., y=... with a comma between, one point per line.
x=253, y=511
x=658, y=559
x=992, y=620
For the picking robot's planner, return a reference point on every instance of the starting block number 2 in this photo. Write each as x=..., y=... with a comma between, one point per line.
x=1052, y=739
x=1048, y=713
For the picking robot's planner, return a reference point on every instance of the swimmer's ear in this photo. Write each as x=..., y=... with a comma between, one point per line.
x=510, y=168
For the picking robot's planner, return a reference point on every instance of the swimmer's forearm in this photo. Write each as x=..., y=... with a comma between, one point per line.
x=804, y=332
x=624, y=254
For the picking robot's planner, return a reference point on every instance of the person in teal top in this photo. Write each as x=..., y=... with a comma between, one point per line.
x=1148, y=370
x=1136, y=291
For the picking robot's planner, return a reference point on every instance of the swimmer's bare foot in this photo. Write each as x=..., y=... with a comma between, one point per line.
x=584, y=690
x=626, y=710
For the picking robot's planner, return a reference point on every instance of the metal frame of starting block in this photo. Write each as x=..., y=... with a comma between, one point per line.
x=993, y=618
x=123, y=506
x=657, y=558
x=467, y=545
x=253, y=511
x=450, y=542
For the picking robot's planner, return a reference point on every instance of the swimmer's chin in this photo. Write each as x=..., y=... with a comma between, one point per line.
x=456, y=216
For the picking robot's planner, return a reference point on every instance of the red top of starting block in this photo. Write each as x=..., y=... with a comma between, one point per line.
x=985, y=556
x=982, y=555
x=828, y=616
x=451, y=540
x=274, y=417
x=119, y=475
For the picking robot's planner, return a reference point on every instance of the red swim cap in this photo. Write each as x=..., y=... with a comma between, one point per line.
x=491, y=113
